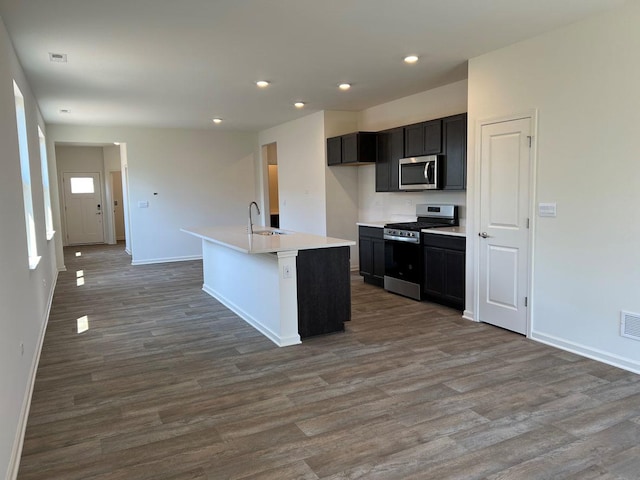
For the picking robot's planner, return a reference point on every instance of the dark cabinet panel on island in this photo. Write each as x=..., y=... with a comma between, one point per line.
x=324, y=290
x=423, y=138
x=371, y=248
x=455, y=151
x=390, y=150
x=444, y=269
x=352, y=149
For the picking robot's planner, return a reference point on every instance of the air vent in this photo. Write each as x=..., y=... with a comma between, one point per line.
x=630, y=325
x=58, y=57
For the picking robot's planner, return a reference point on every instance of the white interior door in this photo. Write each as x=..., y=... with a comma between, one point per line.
x=83, y=208
x=504, y=210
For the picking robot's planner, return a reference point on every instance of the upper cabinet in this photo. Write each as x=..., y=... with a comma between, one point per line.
x=423, y=138
x=455, y=151
x=352, y=149
x=390, y=150
x=443, y=136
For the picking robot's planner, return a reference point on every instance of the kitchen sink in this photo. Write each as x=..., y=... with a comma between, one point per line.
x=269, y=232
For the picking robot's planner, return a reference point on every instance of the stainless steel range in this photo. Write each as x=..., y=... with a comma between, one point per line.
x=404, y=261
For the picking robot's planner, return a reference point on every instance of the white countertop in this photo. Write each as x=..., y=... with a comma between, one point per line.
x=237, y=238
x=453, y=231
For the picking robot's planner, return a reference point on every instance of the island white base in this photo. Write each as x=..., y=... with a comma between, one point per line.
x=260, y=288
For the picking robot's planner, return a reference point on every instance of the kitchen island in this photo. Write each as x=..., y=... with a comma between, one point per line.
x=287, y=285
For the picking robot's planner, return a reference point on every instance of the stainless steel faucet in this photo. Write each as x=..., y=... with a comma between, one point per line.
x=250, y=219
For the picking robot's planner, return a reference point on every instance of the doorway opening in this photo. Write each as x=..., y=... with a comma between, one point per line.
x=270, y=152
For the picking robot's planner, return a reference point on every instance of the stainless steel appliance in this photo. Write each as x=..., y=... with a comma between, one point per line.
x=404, y=262
x=420, y=173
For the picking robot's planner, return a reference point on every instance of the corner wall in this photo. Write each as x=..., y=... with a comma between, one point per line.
x=583, y=80
x=25, y=295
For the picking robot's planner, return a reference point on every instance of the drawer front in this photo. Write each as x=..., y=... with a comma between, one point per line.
x=371, y=232
x=444, y=241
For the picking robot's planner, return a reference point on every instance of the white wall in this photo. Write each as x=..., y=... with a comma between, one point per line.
x=341, y=184
x=189, y=178
x=438, y=102
x=301, y=173
x=25, y=295
x=583, y=79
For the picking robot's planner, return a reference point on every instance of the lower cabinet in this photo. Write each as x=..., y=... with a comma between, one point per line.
x=444, y=269
x=371, y=247
x=324, y=290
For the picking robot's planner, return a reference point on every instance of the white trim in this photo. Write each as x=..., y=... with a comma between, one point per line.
x=16, y=451
x=267, y=332
x=50, y=235
x=533, y=116
x=127, y=251
x=150, y=261
x=468, y=315
x=34, y=261
x=584, y=351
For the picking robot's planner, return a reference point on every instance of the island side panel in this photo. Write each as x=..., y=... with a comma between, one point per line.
x=249, y=285
x=324, y=290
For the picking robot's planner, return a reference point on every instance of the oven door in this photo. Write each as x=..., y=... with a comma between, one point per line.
x=403, y=268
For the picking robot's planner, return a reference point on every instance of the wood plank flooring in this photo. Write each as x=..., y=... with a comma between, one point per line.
x=168, y=384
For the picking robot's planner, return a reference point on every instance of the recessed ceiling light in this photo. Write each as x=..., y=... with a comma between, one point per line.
x=262, y=83
x=411, y=59
x=58, y=57
x=116, y=143
x=344, y=86
x=217, y=120
x=298, y=104
x=64, y=110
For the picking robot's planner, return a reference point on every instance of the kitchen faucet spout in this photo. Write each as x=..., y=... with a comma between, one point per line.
x=250, y=219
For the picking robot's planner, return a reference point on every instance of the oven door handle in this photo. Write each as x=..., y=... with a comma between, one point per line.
x=389, y=238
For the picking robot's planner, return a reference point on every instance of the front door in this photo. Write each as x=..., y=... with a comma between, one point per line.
x=83, y=208
x=504, y=211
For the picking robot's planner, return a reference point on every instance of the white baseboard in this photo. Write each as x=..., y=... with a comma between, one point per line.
x=279, y=341
x=468, y=315
x=584, y=351
x=16, y=452
x=166, y=260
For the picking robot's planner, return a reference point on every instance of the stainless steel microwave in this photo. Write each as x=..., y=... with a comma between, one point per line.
x=420, y=173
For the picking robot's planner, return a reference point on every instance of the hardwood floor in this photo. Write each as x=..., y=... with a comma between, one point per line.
x=168, y=384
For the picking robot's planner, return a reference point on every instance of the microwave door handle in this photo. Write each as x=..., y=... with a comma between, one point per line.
x=428, y=171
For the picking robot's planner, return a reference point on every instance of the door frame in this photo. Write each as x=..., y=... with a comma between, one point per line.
x=64, y=203
x=533, y=115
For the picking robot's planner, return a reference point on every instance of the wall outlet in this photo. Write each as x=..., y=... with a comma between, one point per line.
x=286, y=271
x=143, y=204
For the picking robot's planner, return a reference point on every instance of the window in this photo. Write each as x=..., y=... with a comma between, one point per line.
x=25, y=171
x=81, y=185
x=44, y=164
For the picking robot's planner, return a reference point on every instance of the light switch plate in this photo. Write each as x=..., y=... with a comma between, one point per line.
x=547, y=209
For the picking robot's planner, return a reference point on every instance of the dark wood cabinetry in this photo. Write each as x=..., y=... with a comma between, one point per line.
x=371, y=247
x=445, y=136
x=444, y=269
x=390, y=150
x=352, y=149
x=423, y=138
x=324, y=290
x=455, y=151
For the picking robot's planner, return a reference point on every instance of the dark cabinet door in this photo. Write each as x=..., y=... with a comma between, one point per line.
x=372, y=252
x=423, y=138
x=334, y=151
x=433, y=137
x=378, y=259
x=350, y=148
x=444, y=269
x=366, y=255
x=455, y=150
x=390, y=150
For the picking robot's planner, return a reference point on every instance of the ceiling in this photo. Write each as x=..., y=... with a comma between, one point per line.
x=168, y=63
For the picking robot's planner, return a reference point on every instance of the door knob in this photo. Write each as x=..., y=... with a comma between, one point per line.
x=483, y=235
